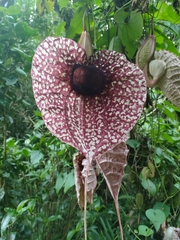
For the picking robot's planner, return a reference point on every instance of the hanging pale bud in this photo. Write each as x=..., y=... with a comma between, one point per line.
x=85, y=42
x=145, y=52
x=157, y=68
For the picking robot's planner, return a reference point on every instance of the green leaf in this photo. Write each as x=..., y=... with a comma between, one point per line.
x=69, y=182
x=5, y=221
x=24, y=31
x=148, y=185
x=60, y=29
x=145, y=231
x=130, y=27
x=49, y=5
x=70, y=234
x=10, y=81
x=54, y=217
x=12, y=10
x=21, y=72
x=38, y=124
x=163, y=42
x=167, y=13
x=157, y=217
x=2, y=193
x=63, y=3
x=116, y=45
x=76, y=26
x=133, y=143
x=60, y=181
x=162, y=206
x=36, y=156
x=10, y=142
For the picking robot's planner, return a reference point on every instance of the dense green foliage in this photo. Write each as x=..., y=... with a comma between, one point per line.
x=37, y=193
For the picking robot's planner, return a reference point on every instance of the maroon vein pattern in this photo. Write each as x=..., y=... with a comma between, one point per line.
x=96, y=124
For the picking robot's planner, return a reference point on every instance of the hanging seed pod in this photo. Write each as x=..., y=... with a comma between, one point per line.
x=146, y=172
x=139, y=199
x=145, y=52
x=152, y=168
x=169, y=82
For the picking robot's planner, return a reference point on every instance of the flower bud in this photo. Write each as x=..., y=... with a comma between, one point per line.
x=85, y=42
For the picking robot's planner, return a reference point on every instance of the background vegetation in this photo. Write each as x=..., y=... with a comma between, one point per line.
x=37, y=193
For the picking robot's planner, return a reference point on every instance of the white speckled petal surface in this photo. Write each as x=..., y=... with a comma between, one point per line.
x=95, y=124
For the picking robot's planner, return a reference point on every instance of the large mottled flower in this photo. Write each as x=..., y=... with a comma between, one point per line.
x=89, y=103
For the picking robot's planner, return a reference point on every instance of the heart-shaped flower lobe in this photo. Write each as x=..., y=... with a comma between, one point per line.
x=93, y=123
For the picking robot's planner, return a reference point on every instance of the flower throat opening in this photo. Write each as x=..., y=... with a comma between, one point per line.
x=87, y=80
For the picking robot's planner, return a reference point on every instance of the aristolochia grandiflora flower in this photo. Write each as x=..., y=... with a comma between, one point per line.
x=91, y=102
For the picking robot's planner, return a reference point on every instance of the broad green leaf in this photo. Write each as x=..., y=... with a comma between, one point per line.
x=60, y=181
x=157, y=217
x=130, y=27
x=167, y=13
x=69, y=181
x=36, y=156
x=162, y=206
x=76, y=26
x=116, y=45
x=145, y=231
x=60, y=29
x=63, y=3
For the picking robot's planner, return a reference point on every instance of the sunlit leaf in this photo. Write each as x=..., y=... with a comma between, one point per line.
x=167, y=13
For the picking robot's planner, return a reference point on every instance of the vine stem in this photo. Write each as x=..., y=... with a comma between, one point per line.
x=119, y=217
x=85, y=207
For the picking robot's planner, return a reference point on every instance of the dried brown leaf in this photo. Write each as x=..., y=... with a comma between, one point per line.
x=84, y=170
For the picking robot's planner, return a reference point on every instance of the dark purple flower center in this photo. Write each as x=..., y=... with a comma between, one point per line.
x=87, y=80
